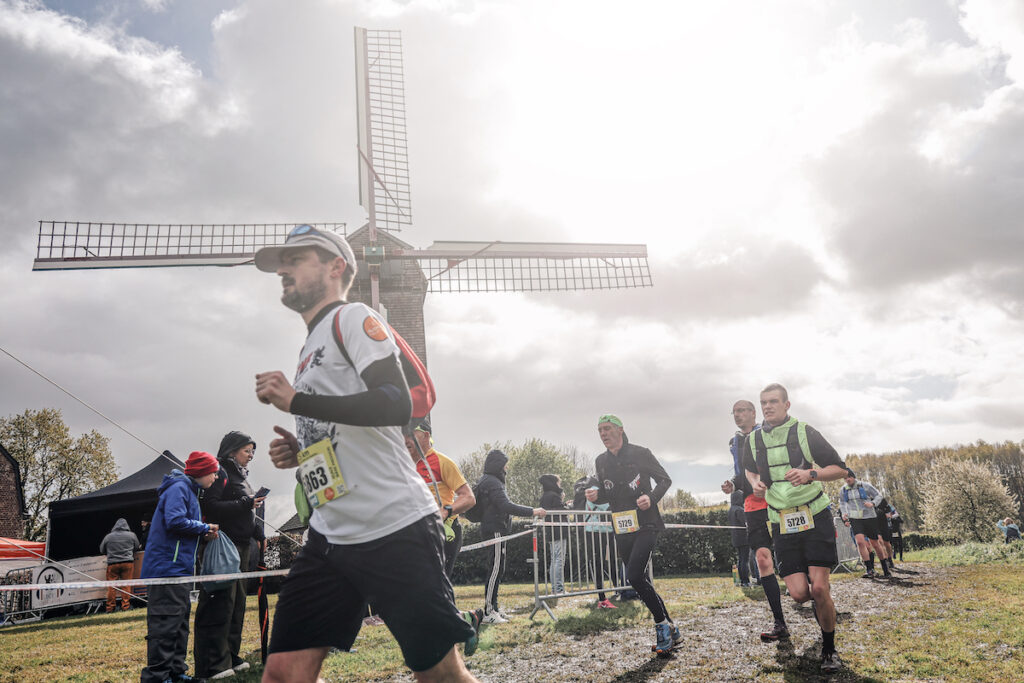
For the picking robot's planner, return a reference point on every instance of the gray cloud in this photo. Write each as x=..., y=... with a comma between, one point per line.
x=757, y=279
x=902, y=217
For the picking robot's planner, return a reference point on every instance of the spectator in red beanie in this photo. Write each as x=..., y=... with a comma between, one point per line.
x=171, y=551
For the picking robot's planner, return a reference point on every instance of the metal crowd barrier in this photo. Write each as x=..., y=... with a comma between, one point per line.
x=16, y=606
x=589, y=561
x=846, y=548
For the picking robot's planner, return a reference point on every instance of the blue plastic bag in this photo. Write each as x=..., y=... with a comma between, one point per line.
x=220, y=557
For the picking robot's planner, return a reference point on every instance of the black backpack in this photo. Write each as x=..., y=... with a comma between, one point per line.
x=475, y=513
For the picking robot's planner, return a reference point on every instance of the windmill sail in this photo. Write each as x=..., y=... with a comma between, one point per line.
x=71, y=245
x=531, y=266
x=380, y=120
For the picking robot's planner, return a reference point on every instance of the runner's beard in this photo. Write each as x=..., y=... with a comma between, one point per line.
x=302, y=300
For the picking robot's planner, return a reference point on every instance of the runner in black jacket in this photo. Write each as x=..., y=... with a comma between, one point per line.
x=498, y=512
x=626, y=472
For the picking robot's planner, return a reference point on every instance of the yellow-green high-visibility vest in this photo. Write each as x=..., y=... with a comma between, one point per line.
x=775, y=453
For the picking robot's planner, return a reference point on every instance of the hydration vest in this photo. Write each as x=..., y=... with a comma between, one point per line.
x=775, y=453
x=844, y=493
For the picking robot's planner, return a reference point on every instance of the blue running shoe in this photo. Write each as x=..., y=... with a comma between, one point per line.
x=664, y=634
x=677, y=637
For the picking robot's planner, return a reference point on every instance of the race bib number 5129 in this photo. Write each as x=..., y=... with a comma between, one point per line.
x=625, y=522
x=320, y=474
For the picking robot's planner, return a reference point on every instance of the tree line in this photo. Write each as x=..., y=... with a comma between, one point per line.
x=902, y=475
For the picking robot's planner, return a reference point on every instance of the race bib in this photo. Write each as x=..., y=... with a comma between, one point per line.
x=320, y=474
x=795, y=520
x=625, y=522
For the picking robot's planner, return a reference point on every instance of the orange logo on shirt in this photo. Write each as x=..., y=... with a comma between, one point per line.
x=374, y=329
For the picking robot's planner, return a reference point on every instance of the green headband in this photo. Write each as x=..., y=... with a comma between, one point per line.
x=609, y=418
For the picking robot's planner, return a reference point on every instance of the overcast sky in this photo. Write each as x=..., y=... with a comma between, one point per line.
x=830, y=192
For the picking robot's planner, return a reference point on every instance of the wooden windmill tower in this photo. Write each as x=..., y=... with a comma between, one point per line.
x=393, y=276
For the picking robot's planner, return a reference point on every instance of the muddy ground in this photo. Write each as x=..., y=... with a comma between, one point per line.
x=721, y=643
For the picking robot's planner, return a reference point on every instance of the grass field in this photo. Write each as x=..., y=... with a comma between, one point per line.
x=962, y=623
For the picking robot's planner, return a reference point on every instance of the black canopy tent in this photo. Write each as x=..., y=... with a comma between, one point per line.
x=78, y=525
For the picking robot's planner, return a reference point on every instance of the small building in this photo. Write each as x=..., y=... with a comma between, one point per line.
x=12, y=497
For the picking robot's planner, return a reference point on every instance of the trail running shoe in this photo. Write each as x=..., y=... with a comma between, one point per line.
x=664, y=643
x=474, y=618
x=778, y=632
x=830, y=663
x=869, y=574
x=677, y=637
x=606, y=604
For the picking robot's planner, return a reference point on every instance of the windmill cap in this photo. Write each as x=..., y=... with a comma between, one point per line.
x=268, y=259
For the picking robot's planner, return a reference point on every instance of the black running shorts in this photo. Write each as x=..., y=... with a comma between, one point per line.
x=868, y=527
x=324, y=597
x=883, y=529
x=757, y=529
x=812, y=548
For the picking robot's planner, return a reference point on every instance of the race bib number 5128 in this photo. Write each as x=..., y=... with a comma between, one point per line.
x=320, y=474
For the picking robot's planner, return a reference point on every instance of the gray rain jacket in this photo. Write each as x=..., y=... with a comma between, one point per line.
x=120, y=544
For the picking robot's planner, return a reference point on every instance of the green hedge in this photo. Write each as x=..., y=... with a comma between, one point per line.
x=679, y=551
x=916, y=541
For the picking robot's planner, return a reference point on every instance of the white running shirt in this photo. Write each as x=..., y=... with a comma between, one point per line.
x=385, y=491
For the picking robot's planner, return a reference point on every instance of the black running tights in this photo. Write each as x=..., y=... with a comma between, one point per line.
x=635, y=550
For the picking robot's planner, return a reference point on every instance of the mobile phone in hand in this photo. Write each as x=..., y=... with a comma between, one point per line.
x=262, y=492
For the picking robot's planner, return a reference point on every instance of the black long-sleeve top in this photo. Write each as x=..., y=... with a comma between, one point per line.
x=626, y=476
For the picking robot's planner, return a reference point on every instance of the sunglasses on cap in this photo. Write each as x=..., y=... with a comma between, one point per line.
x=304, y=230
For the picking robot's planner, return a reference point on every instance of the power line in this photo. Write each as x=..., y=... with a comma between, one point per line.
x=123, y=429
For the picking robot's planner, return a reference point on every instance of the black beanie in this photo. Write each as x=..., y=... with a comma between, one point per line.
x=231, y=442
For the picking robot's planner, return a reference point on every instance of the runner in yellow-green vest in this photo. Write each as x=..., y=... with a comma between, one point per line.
x=786, y=461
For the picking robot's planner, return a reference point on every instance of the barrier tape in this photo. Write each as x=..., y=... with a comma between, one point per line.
x=174, y=580
x=165, y=581
x=494, y=541
x=609, y=526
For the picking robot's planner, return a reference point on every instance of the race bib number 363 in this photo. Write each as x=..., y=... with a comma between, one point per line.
x=320, y=474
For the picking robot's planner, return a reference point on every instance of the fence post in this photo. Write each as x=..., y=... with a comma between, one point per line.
x=537, y=602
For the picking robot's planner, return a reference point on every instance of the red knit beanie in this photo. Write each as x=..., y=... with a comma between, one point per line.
x=200, y=463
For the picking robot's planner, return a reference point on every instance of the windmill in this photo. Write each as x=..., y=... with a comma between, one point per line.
x=393, y=276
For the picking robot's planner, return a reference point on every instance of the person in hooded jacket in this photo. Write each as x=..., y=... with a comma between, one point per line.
x=119, y=546
x=497, y=516
x=598, y=535
x=626, y=472
x=170, y=552
x=551, y=499
x=231, y=503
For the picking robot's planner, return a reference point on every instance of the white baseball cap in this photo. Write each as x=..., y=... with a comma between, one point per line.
x=268, y=259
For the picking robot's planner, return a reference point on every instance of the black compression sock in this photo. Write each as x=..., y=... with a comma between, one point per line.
x=771, y=591
x=871, y=556
x=828, y=642
x=871, y=563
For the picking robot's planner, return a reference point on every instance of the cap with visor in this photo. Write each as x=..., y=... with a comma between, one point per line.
x=268, y=259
